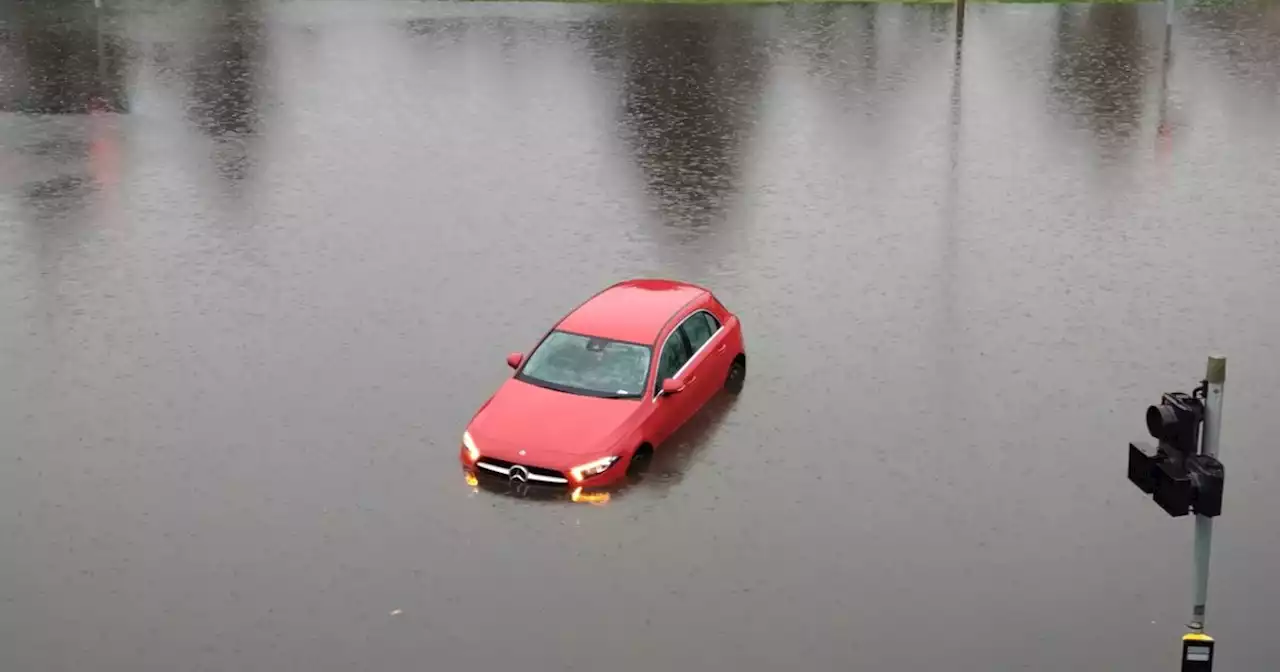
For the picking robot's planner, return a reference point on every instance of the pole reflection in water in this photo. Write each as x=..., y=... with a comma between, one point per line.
x=1164, y=139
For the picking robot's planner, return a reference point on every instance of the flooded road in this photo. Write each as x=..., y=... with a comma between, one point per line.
x=259, y=264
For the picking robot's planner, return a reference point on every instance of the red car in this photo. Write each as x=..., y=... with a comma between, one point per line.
x=606, y=386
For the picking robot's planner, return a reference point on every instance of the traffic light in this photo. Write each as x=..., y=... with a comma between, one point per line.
x=1178, y=477
x=1182, y=474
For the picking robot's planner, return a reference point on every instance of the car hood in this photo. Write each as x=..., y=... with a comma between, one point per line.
x=555, y=429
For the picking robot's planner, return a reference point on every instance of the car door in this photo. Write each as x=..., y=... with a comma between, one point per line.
x=670, y=411
x=707, y=365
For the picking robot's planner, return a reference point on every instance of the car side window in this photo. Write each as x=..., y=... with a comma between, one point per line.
x=699, y=328
x=675, y=352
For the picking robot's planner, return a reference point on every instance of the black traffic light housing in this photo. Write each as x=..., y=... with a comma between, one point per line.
x=1174, y=473
x=1176, y=420
x=1206, y=474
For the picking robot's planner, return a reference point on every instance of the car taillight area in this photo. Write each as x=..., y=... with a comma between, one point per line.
x=511, y=470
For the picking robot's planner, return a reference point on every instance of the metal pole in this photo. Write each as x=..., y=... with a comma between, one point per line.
x=1215, y=378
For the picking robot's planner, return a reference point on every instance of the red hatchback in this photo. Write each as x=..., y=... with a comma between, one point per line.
x=606, y=386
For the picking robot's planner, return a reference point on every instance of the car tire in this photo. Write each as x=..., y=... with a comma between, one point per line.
x=737, y=376
x=640, y=460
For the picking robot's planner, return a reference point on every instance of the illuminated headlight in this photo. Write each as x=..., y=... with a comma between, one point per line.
x=473, y=453
x=585, y=471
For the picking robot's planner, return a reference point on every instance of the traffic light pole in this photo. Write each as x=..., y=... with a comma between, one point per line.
x=1215, y=378
x=1197, y=645
x=1183, y=474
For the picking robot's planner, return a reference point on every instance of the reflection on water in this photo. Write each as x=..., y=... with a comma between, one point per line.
x=234, y=447
x=1245, y=44
x=690, y=81
x=60, y=63
x=597, y=498
x=1164, y=124
x=686, y=449
x=1100, y=66
x=225, y=82
x=858, y=50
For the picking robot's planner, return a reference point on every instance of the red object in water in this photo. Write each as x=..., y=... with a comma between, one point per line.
x=606, y=386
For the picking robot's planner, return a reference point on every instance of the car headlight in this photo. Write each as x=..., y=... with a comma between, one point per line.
x=473, y=453
x=585, y=471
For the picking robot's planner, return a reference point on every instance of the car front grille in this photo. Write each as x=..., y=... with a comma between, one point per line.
x=536, y=474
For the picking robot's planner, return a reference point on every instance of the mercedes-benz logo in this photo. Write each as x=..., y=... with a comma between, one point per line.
x=519, y=479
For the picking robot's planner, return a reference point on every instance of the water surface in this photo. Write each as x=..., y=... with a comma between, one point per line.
x=260, y=262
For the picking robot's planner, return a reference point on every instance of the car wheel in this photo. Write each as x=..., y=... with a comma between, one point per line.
x=640, y=460
x=737, y=376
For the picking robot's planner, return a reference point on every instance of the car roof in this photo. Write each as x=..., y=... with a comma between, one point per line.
x=633, y=310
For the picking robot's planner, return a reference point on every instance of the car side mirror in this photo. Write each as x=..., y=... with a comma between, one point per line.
x=514, y=359
x=672, y=386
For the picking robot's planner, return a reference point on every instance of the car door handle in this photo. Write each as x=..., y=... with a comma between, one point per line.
x=722, y=347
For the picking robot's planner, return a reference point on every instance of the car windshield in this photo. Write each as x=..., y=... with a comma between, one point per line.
x=597, y=367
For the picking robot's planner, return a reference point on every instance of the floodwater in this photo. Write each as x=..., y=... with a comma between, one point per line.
x=260, y=262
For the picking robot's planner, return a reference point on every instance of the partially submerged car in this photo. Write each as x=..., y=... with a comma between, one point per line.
x=606, y=386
